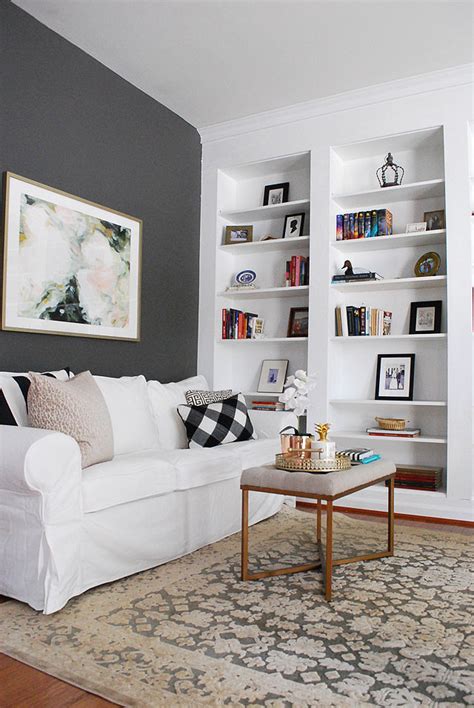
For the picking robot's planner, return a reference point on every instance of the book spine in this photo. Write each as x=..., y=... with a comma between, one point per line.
x=293, y=271
x=362, y=321
x=393, y=434
x=361, y=224
x=356, y=226
x=374, y=227
x=351, y=226
x=224, y=323
x=297, y=271
x=339, y=227
x=287, y=274
x=350, y=320
x=346, y=226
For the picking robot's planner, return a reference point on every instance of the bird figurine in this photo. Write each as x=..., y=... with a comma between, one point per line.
x=347, y=267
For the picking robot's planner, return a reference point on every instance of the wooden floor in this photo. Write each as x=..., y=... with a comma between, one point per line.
x=24, y=687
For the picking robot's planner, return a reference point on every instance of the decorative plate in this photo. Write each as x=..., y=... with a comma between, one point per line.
x=245, y=277
x=428, y=264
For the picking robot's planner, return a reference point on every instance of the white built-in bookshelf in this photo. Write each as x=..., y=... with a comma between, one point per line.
x=240, y=194
x=352, y=360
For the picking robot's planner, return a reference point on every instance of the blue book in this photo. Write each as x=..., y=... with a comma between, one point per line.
x=372, y=458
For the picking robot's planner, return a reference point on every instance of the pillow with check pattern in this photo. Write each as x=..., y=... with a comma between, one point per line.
x=202, y=398
x=217, y=423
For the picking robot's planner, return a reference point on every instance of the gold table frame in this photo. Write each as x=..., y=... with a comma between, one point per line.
x=326, y=561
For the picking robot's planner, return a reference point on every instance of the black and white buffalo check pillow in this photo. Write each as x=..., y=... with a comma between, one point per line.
x=217, y=423
x=14, y=393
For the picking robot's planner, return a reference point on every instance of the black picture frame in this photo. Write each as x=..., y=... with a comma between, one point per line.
x=285, y=186
x=299, y=217
x=293, y=317
x=436, y=305
x=380, y=394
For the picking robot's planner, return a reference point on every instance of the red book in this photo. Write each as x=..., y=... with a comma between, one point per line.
x=224, y=323
x=293, y=271
x=298, y=271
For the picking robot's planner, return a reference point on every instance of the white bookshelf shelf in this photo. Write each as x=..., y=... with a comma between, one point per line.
x=392, y=338
x=259, y=394
x=430, y=281
x=276, y=244
x=259, y=293
x=372, y=402
x=389, y=195
x=357, y=435
x=266, y=340
x=424, y=238
x=262, y=213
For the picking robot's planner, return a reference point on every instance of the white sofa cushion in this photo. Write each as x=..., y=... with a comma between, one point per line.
x=150, y=473
x=130, y=412
x=165, y=399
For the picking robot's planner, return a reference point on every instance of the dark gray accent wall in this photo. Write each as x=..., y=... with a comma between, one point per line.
x=69, y=122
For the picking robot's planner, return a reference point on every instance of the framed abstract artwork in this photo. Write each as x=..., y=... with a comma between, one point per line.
x=70, y=266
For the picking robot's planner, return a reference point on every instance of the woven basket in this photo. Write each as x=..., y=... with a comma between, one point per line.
x=392, y=423
x=298, y=463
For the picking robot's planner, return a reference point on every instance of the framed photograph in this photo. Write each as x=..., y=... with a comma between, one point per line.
x=238, y=234
x=395, y=377
x=298, y=322
x=258, y=327
x=425, y=317
x=71, y=266
x=273, y=375
x=428, y=264
x=416, y=227
x=276, y=193
x=293, y=225
x=435, y=219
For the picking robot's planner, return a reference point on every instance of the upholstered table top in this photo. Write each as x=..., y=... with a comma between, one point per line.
x=330, y=484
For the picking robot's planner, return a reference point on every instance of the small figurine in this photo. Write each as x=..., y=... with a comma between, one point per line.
x=327, y=448
x=349, y=271
x=322, y=430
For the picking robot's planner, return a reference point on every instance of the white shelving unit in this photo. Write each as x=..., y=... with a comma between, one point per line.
x=240, y=191
x=351, y=369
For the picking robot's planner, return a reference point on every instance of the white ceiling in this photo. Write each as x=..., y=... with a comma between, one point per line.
x=215, y=60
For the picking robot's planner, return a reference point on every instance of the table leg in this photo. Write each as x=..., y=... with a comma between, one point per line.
x=391, y=515
x=318, y=520
x=328, y=578
x=245, y=534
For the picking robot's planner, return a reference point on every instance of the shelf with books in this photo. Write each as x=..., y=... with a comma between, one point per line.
x=425, y=189
x=266, y=340
x=373, y=402
x=392, y=338
x=276, y=244
x=376, y=439
x=433, y=281
x=256, y=293
x=262, y=213
x=402, y=240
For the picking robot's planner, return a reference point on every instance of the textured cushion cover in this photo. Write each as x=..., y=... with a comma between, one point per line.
x=332, y=483
x=14, y=392
x=76, y=408
x=202, y=398
x=130, y=411
x=217, y=423
x=164, y=399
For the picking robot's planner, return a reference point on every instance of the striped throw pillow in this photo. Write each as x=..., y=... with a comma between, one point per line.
x=14, y=393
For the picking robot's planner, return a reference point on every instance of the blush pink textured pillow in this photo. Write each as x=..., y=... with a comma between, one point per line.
x=76, y=408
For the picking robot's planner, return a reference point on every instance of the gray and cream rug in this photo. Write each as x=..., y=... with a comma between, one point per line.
x=398, y=632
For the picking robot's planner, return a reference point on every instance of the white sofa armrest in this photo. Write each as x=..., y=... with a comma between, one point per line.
x=40, y=516
x=268, y=424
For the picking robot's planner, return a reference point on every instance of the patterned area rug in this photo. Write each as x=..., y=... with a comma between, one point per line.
x=398, y=632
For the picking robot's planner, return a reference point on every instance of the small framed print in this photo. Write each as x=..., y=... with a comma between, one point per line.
x=272, y=376
x=293, y=225
x=258, y=327
x=395, y=377
x=428, y=264
x=425, y=317
x=238, y=234
x=276, y=194
x=416, y=227
x=435, y=220
x=298, y=322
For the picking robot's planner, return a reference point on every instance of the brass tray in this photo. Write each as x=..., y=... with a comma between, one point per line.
x=303, y=462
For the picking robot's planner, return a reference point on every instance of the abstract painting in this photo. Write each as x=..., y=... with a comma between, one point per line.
x=70, y=266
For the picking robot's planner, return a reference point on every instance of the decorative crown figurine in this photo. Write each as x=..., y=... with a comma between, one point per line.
x=395, y=169
x=327, y=448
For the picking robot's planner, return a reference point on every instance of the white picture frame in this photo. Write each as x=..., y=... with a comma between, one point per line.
x=273, y=375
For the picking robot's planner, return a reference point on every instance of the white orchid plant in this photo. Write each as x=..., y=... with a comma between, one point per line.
x=296, y=394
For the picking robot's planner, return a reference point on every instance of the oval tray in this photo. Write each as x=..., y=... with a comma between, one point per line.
x=293, y=463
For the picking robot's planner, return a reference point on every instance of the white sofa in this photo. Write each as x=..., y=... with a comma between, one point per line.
x=64, y=530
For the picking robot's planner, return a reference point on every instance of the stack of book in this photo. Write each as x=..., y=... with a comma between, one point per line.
x=362, y=321
x=237, y=324
x=262, y=405
x=383, y=432
x=419, y=477
x=361, y=275
x=360, y=455
x=364, y=224
x=297, y=271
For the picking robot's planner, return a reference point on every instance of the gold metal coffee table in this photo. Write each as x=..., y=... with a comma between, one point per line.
x=324, y=488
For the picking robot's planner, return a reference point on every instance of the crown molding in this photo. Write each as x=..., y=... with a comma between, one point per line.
x=357, y=98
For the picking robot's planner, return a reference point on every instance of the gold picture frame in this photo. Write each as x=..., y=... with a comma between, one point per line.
x=238, y=234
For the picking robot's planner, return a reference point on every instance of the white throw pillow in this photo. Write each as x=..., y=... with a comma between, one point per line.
x=165, y=399
x=130, y=412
